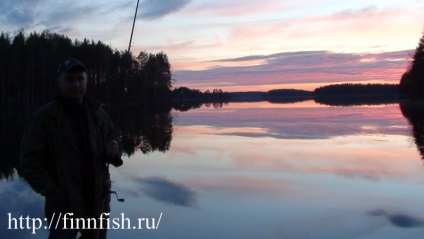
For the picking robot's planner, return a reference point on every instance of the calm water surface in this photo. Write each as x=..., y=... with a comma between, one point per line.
x=262, y=170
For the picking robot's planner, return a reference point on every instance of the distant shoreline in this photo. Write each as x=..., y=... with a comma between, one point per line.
x=334, y=95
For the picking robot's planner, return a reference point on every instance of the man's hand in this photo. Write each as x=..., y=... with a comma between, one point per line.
x=112, y=149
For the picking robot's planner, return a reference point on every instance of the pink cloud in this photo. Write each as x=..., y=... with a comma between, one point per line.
x=363, y=30
x=300, y=67
x=340, y=30
x=237, y=8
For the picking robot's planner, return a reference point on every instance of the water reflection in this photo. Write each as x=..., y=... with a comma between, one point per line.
x=398, y=219
x=267, y=171
x=139, y=129
x=12, y=126
x=145, y=130
x=413, y=111
x=164, y=190
x=288, y=121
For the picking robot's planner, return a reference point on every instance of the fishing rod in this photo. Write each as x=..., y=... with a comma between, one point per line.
x=119, y=161
x=132, y=31
x=115, y=122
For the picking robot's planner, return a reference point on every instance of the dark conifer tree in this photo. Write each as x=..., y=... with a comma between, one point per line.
x=412, y=81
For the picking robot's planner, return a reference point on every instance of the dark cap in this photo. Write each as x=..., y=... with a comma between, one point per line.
x=70, y=63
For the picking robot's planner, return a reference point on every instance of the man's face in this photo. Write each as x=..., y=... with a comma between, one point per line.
x=73, y=84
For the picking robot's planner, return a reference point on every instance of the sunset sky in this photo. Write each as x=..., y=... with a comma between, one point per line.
x=243, y=45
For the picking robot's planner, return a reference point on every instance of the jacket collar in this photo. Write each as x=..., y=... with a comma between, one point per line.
x=93, y=106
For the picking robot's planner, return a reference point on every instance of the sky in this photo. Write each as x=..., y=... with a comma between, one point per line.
x=247, y=45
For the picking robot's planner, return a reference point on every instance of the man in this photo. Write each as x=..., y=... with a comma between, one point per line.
x=65, y=152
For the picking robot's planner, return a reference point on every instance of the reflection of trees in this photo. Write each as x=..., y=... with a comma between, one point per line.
x=146, y=128
x=287, y=96
x=139, y=128
x=413, y=111
x=184, y=99
x=191, y=105
x=147, y=132
x=12, y=126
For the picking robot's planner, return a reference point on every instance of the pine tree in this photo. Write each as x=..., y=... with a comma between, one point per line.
x=412, y=81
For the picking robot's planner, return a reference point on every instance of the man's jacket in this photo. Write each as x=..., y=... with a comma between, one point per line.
x=50, y=159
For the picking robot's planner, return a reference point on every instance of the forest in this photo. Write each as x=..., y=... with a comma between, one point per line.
x=347, y=94
x=184, y=98
x=28, y=70
x=357, y=94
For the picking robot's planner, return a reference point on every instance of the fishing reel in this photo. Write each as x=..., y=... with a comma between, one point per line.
x=117, y=197
x=108, y=185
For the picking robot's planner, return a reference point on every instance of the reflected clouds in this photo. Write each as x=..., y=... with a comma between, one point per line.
x=299, y=123
x=351, y=142
x=263, y=186
x=398, y=219
x=372, y=157
x=19, y=199
x=166, y=191
x=343, y=157
x=355, y=143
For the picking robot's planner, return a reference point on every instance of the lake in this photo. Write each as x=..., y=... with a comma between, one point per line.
x=262, y=170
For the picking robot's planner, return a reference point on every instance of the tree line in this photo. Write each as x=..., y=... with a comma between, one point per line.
x=357, y=94
x=347, y=94
x=184, y=98
x=28, y=70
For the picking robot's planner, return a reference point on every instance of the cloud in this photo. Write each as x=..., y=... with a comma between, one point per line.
x=18, y=12
x=301, y=67
x=398, y=219
x=66, y=14
x=237, y=8
x=155, y=9
x=28, y=14
x=62, y=29
x=166, y=191
x=358, y=29
x=318, y=61
x=67, y=17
